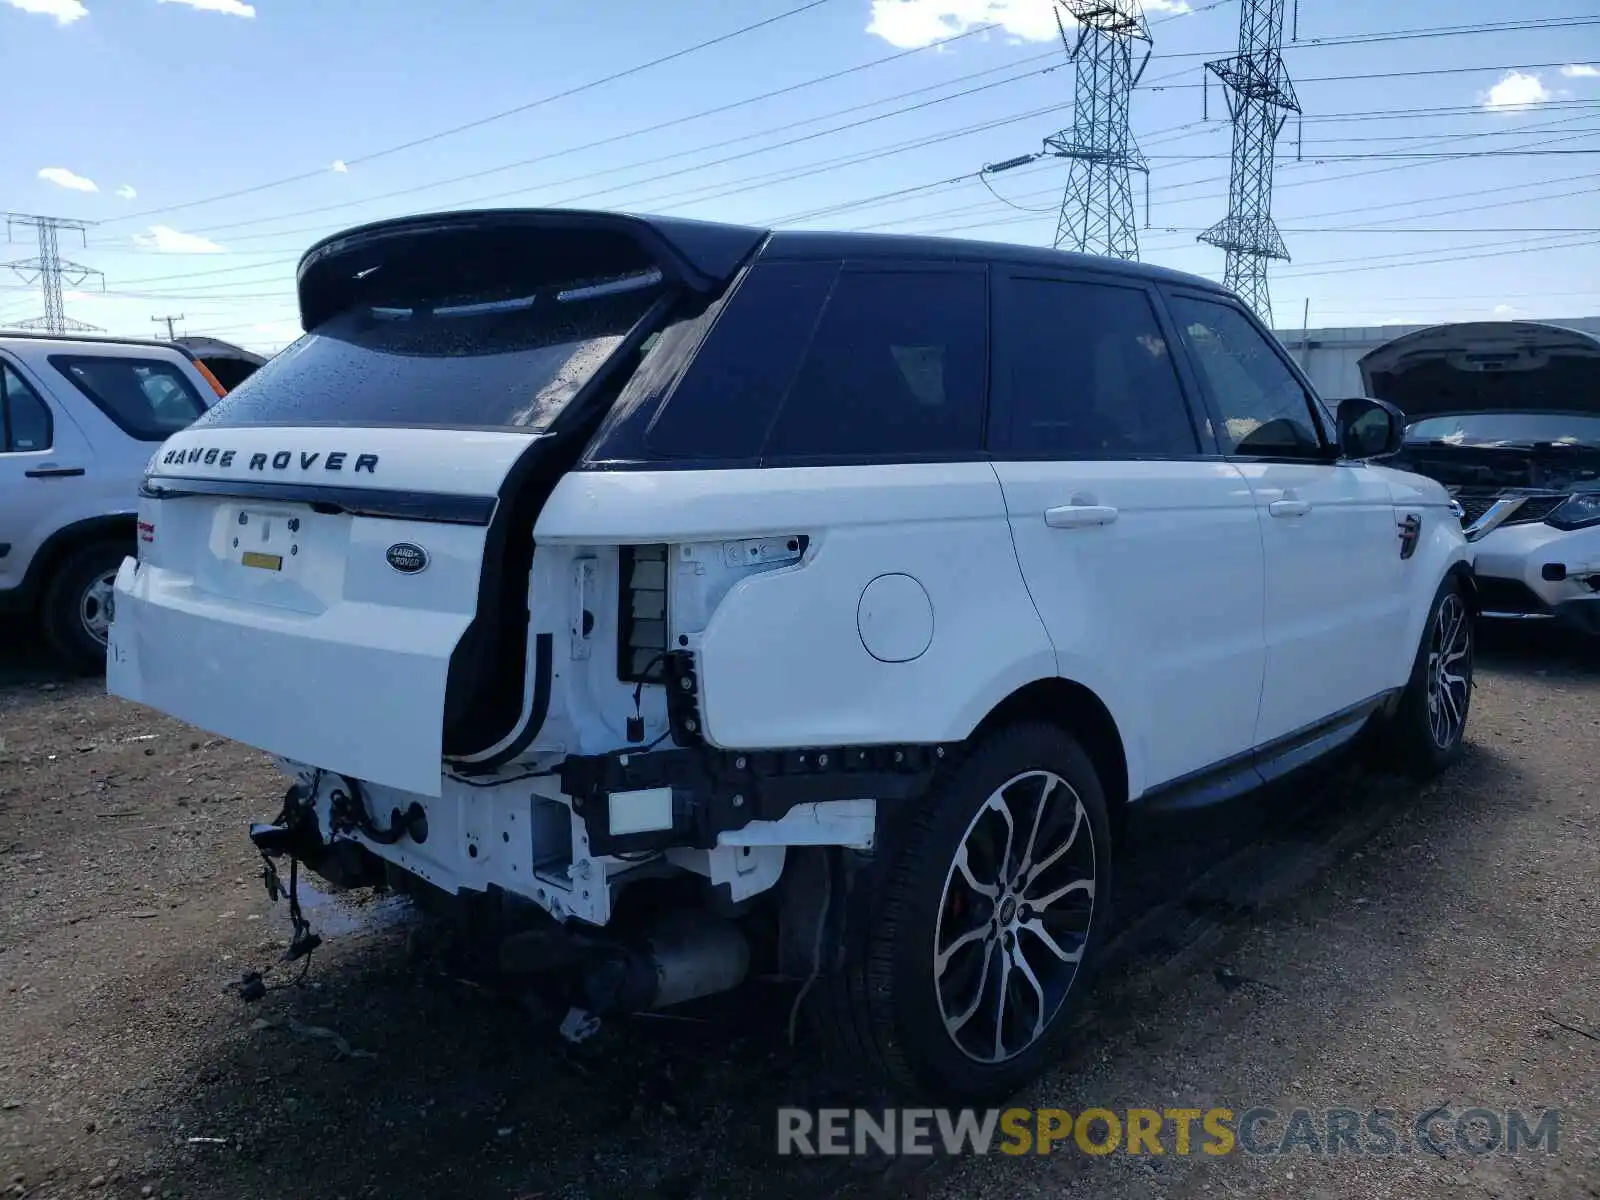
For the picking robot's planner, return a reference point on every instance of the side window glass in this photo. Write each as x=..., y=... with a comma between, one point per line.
x=148, y=399
x=1091, y=375
x=26, y=425
x=1265, y=411
x=724, y=404
x=897, y=368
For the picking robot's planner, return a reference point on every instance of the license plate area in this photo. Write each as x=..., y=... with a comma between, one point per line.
x=267, y=539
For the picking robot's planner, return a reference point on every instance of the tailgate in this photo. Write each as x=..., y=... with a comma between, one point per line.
x=314, y=621
x=334, y=559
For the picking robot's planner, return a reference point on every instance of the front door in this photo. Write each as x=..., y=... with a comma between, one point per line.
x=1141, y=550
x=1334, y=597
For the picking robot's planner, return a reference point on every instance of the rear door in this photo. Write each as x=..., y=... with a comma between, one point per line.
x=1139, y=544
x=1335, y=604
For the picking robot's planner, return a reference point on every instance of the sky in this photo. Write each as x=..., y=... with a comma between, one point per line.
x=1436, y=172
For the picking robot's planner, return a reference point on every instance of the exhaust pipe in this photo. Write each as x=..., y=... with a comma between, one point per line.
x=681, y=955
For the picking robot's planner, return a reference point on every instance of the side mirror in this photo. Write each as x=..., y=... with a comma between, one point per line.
x=1370, y=428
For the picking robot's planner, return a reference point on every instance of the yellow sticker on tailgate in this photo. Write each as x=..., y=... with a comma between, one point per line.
x=267, y=562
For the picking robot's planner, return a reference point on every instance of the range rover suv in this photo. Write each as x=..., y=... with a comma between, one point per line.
x=714, y=593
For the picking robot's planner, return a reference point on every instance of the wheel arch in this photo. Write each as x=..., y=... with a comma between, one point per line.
x=1077, y=709
x=69, y=539
x=1462, y=573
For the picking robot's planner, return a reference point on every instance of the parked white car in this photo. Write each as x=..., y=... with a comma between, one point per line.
x=79, y=418
x=1506, y=414
x=687, y=581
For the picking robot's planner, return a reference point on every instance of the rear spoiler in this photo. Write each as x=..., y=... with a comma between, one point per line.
x=700, y=255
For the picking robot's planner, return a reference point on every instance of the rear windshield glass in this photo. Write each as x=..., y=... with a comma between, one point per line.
x=512, y=358
x=148, y=399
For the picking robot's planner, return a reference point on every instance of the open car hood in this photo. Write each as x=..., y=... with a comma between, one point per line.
x=1487, y=366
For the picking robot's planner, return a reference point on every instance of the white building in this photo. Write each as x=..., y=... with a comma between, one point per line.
x=1331, y=356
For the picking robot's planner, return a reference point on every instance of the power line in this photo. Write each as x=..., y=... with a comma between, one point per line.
x=886, y=197
x=968, y=209
x=1453, y=258
x=553, y=155
x=783, y=177
x=1355, y=39
x=838, y=207
x=498, y=116
x=906, y=192
x=719, y=109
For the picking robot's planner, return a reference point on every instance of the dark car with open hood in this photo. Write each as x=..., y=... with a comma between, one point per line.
x=1506, y=414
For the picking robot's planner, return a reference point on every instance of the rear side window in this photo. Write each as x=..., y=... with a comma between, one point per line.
x=1091, y=375
x=897, y=368
x=25, y=425
x=723, y=407
x=148, y=399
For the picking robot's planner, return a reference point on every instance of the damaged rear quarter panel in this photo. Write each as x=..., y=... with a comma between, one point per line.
x=782, y=661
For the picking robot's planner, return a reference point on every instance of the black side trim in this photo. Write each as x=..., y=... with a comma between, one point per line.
x=1233, y=777
x=441, y=507
x=5, y=549
x=718, y=790
x=543, y=668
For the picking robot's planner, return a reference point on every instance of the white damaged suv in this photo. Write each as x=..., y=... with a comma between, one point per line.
x=722, y=593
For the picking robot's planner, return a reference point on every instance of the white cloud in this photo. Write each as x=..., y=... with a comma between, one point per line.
x=234, y=8
x=1507, y=310
x=126, y=192
x=1517, y=90
x=170, y=241
x=1581, y=71
x=64, y=11
x=912, y=23
x=338, y=167
x=62, y=177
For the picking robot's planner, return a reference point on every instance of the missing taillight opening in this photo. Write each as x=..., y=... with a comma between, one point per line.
x=642, y=614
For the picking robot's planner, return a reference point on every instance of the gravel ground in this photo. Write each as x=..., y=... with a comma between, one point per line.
x=1342, y=943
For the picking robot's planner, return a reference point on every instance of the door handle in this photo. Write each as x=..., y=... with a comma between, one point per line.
x=1079, y=516
x=53, y=472
x=1289, y=508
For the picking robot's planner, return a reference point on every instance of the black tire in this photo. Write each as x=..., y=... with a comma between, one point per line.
x=1410, y=740
x=883, y=1009
x=69, y=600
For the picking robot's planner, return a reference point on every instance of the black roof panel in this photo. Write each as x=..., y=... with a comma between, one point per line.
x=705, y=252
x=808, y=244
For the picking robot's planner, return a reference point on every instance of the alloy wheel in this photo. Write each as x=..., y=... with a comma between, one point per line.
x=1449, y=671
x=1014, y=916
